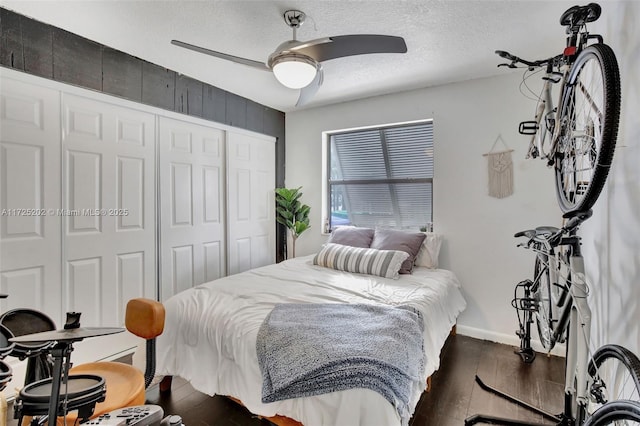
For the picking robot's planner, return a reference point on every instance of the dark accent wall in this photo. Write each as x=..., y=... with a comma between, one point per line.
x=40, y=49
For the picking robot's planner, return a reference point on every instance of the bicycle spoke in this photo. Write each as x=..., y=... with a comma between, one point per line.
x=616, y=413
x=583, y=132
x=588, y=127
x=615, y=373
x=594, y=105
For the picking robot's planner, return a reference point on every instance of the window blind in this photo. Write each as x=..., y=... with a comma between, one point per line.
x=382, y=177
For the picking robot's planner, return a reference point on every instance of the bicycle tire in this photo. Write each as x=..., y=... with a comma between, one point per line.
x=544, y=311
x=613, y=384
x=621, y=412
x=583, y=154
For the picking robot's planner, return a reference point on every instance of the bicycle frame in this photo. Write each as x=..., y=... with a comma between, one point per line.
x=576, y=41
x=578, y=315
x=574, y=318
x=547, y=109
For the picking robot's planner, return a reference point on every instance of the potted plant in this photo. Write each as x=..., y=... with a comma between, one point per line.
x=291, y=213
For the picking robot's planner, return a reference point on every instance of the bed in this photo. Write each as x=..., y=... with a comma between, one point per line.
x=211, y=330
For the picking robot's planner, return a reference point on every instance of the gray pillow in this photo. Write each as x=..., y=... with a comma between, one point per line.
x=391, y=239
x=361, y=260
x=352, y=236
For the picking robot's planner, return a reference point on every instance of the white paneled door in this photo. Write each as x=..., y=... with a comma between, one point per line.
x=30, y=198
x=192, y=214
x=109, y=226
x=250, y=201
x=103, y=200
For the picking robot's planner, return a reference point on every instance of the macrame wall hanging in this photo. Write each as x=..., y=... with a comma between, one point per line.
x=500, y=170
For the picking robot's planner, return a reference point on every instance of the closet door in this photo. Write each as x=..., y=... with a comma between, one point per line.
x=192, y=231
x=250, y=201
x=30, y=198
x=109, y=201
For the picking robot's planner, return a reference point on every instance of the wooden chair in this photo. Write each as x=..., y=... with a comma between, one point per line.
x=126, y=384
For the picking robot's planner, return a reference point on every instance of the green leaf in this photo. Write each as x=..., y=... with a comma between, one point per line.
x=286, y=214
x=300, y=227
x=290, y=212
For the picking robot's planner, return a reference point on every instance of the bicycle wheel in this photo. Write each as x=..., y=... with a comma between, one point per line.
x=542, y=295
x=615, y=375
x=588, y=120
x=618, y=413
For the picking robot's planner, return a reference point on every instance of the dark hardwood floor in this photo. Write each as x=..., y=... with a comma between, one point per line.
x=454, y=395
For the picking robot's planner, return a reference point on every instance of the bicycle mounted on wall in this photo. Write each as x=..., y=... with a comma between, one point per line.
x=556, y=301
x=577, y=138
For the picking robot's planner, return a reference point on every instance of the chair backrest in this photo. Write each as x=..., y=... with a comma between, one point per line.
x=145, y=318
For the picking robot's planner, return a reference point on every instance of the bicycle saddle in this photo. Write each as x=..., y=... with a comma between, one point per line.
x=541, y=233
x=579, y=15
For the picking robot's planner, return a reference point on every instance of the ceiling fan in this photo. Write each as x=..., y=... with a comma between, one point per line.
x=297, y=64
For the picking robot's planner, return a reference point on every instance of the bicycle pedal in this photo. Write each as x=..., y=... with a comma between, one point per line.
x=527, y=304
x=528, y=128
x=528, y=355
x=581, y=187
x=525, y=283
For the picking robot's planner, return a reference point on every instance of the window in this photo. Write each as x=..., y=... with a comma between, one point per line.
x=380, y=177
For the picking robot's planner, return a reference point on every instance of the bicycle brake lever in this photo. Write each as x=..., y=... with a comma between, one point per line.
x=504, y=54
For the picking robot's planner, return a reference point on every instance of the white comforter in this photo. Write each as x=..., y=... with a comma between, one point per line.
x=210, y=333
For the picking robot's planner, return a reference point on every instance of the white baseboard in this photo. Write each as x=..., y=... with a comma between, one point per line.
x=507, y=339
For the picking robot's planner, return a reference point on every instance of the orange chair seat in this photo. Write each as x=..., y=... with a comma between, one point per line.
x=125, y=386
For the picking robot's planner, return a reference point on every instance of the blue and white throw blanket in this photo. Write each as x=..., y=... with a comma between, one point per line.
x=311, y=349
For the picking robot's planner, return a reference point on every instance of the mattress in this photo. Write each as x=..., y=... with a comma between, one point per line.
x=210, y=333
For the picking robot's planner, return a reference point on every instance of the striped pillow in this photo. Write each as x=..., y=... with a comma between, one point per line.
x=384, y=263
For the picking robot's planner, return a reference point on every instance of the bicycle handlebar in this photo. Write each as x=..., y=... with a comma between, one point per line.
x=575, y=220
x=532, y=64
x=551, y=235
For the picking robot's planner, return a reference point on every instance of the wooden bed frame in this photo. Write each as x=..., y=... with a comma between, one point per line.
x=278, y=420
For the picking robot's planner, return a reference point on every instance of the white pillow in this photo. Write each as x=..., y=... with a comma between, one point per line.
x=383, y=263
x=429, y=251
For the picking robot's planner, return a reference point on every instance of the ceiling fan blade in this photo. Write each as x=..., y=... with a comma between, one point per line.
x=237, y=59
x=309, y=91
x=325, y=49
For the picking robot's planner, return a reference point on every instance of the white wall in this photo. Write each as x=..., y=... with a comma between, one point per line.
x=612, y=237
x=479, y=245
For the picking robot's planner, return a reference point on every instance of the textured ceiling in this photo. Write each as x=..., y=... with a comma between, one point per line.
x=447, y=41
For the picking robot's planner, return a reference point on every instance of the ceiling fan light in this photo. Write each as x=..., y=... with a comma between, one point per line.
x=294, y=71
